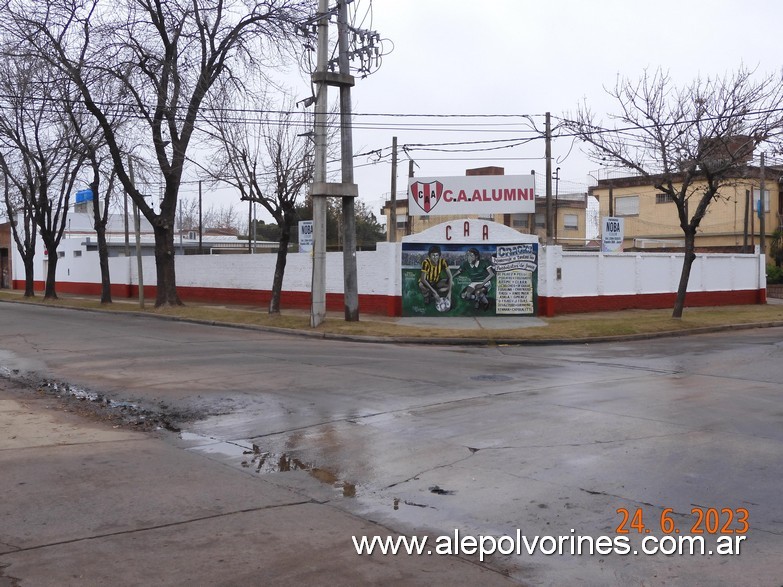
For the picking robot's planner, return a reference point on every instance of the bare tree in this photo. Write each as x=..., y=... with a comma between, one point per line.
x=163, y=57
x=101, y=203
x=188, y=214
x=688, y=142
x=19, y=205
x=91, y=143
x=223, y=218
x=270, y=162
x=37, y=153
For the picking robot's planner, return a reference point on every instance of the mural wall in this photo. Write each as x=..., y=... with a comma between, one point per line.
x=466, y=279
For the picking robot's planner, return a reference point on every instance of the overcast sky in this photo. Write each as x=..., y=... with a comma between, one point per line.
x=519, y=57
x=526, y=58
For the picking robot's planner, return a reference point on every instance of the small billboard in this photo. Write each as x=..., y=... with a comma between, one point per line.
x=612, y=235
x=305, y=236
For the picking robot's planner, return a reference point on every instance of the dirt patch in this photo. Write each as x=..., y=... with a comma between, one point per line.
x=95, y=406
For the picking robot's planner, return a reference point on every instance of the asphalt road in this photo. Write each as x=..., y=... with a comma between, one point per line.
x=549, y=441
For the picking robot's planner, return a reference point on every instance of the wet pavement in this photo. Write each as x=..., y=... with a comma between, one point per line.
x=86, y=503
x=548, y=441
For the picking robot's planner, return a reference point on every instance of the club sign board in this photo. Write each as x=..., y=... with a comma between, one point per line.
x=475, y=194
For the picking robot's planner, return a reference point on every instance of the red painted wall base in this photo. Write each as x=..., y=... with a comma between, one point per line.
x=392, y=305
x=372, y=304
x=550, y=306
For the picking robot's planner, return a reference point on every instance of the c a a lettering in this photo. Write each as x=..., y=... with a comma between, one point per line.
x=448, y=232
x=466, y=229
x=485, y=233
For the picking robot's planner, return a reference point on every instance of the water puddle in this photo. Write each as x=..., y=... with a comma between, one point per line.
x=251, y=456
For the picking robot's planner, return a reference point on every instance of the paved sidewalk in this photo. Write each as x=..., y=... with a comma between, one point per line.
x=86, y=503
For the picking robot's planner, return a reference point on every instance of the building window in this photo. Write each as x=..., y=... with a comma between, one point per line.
x=626, y=206
x=519, y=220
x=60, y=254
x=663, y=198
x=570, y=221
x=540, y=219
x=77, y=253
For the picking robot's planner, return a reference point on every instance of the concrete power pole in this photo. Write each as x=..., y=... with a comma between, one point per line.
x=137, y=228
x=321, y=189
x=548, y=155
x=392, y=228
x=200, y=228
x=762, y=211
x=350, y=279
x=408, y=219
x=318, y=286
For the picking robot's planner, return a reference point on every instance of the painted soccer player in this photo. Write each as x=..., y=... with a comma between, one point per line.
x=436, y=279
x=480, y=273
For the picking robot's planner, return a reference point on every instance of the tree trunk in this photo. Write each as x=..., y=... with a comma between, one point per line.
x=164, y=264
x=103, y=249
x=687, y=263
x=50, y=292
x=282, y=255
x=29, y=276
x=103, y=261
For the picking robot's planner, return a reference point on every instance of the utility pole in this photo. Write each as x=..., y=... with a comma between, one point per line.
x=548, y=156
x=762, y=211
x=748, y=206
x=557, y=204
x=321, y=189
x=127, y=228
x=200, y=226
x=753, y=214
x=137, y=226
x=611, y=199
x=318, y=285
x=408, y=219
x=392, y=228
x=249, y=224
x=350, y=279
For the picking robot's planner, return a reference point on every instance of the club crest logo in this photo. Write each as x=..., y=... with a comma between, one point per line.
x=427, y=195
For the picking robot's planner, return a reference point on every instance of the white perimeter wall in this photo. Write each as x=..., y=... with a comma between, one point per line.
x=581, y=273
x=597, y=274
